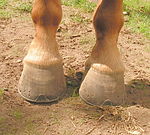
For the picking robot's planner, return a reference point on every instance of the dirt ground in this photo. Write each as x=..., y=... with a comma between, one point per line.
x=71, y=116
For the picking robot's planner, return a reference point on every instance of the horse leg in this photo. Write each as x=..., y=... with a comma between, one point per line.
x=104, y=82
x=42, y=79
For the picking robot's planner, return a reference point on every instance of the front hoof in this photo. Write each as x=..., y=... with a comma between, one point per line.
x=41, y=84
x=102, y=86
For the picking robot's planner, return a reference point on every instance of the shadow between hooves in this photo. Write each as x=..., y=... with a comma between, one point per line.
x=73, y=84
x=138, y=92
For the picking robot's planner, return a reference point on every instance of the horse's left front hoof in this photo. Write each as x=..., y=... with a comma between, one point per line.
x=102, y=86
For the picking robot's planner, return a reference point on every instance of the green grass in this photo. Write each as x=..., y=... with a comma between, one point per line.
x=11, y=8
x=24, y=7
x=75, y=92
x=83, y=4
x=139, y=16
x=17, y=114
x=1, y=95
x=3, y=3
x=84, y=41
x=77, y=18
x=1, y=92
x=4, y=14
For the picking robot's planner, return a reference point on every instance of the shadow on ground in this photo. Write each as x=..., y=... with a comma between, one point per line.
x=138, y=92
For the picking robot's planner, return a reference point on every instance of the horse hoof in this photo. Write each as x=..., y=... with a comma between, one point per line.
x=42, y=84
x=103, y=86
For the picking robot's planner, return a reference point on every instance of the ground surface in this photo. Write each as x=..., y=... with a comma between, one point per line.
x=71, y=116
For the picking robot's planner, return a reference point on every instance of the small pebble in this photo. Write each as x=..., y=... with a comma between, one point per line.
x=19, y=61
x=125, y=13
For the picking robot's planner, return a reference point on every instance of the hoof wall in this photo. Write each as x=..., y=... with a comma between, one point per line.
x=102, y=86
x=42, y=84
